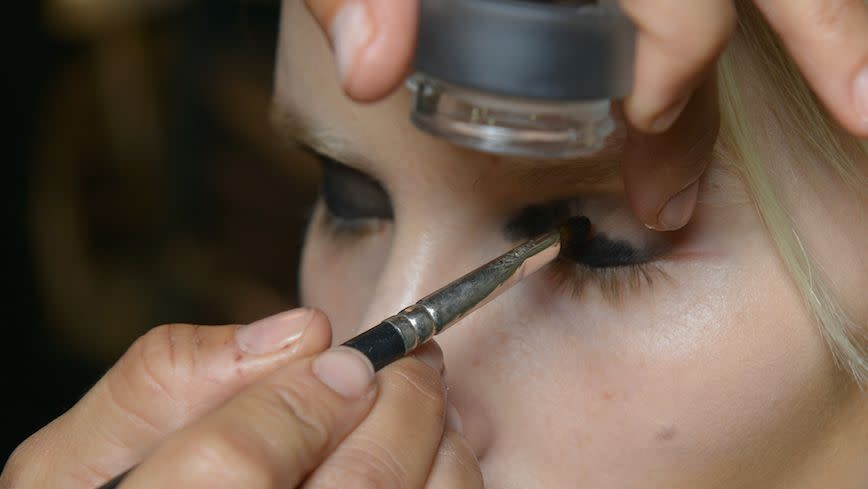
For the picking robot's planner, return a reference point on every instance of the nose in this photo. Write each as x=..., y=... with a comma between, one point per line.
x=425, y=256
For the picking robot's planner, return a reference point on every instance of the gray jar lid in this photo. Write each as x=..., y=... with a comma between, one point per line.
x=528, y=48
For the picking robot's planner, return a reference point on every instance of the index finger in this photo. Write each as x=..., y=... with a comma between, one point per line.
x=662, y=171
x=828, y=39
x=273, y=434
x=677, y=45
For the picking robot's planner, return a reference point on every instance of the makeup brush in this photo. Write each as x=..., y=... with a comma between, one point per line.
x=402, y=333
x=399, y=335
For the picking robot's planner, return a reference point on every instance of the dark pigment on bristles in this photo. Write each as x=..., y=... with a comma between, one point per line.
x=582, y=244
x=597, y=251
x=575, y=234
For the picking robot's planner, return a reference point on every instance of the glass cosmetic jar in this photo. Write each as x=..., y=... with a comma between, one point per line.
x=528, y=78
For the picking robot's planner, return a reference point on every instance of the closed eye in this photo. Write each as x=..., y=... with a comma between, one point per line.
x=614, y=265
x=352, y=198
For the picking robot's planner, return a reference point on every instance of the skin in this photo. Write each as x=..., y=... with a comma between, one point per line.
x=713, y=375
x=678, y=43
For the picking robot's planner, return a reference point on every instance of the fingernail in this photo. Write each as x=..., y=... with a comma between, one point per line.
x=453, y=420
x=351, y=30
x=431, y=356
x=678, y=210
x=345, y=371
x=668, y=117
x=274, y=333
x=860, y=94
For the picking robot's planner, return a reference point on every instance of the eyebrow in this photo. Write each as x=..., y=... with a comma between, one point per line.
x=596, y=169
x=294, y=130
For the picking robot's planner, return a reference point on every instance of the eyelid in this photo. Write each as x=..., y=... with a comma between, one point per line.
x=601, y=251
x=614, y=226
x=354, y=203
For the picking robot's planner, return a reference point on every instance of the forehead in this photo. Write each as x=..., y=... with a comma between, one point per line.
x=308, y=100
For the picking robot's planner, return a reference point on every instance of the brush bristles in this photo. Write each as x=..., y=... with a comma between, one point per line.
x=575, y=232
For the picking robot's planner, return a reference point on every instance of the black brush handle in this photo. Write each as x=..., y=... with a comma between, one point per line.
x=382, y=344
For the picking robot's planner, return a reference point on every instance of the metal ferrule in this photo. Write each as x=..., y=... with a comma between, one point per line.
x=438, y=311
x=415, y=324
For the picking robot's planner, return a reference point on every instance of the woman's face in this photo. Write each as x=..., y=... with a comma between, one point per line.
x=690, y=363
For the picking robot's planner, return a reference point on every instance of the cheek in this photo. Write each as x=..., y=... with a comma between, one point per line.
x=732, y=373
x=339, y=277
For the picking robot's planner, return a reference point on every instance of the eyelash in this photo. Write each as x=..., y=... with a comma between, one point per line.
x=340, y=227
x=569, y=278
x=614, y=282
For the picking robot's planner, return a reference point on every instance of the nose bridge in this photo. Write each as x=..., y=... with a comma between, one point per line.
x=426, y=255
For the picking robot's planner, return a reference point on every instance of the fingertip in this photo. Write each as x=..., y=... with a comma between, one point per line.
x=274, y=333
x=319, y=334
x=453, y=419
x=432, y=355
x=662, y=172
x=659, y=207
x=352, y=30
x=677, y=211
x=859, y=126
x=345, y=371
x=643, y=200
x=384, y=62
x=829, y=44
x=638, y=112
x=653, y=117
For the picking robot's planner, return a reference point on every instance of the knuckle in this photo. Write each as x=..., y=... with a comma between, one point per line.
x=175, y=346
x=13, y=472
x=158, y=368
x=167, y=355
x=149, y=365
x=229, y=458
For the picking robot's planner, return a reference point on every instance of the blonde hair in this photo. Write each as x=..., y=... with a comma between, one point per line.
x=818, y=142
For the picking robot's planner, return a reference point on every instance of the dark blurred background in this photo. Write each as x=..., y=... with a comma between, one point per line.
x=144, y=185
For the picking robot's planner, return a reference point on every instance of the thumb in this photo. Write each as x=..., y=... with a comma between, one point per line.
x=373, y=42
x=273, y=434
x=169, y=377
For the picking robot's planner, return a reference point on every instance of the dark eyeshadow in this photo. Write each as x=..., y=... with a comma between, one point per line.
x=535, y=220
x=599, y=251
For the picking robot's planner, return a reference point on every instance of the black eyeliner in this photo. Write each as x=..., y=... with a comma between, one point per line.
x=599, y=251
x=536, y=219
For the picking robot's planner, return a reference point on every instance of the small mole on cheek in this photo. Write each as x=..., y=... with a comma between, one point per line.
x=608, y=396
x=238, y=357
x=666, y=433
